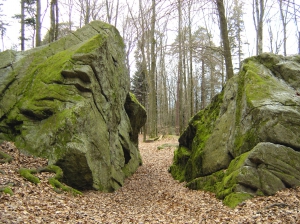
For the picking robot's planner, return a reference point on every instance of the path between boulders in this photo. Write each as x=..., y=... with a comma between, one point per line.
x=151, y=195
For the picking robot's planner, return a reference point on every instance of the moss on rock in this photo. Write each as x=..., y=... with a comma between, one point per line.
x=257, y=111
x=5, y=158
x=6, y=190
x=67, y=102
x=234, y=199
x=28, y=175
x=54, y=181
x=187, y=163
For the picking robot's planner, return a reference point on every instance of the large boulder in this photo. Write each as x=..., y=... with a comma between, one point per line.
x=247, y=141
x=69, y=101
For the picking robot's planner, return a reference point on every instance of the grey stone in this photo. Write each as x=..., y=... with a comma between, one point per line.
x=250, y=131
x=69, y=101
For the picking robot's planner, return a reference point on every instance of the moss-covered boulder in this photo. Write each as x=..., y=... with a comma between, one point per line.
x=247, y=141
x=69, y=101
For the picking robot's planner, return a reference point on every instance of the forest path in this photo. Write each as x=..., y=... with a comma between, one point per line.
x=150, y=195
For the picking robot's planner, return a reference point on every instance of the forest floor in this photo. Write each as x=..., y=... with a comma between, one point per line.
x=151, y=195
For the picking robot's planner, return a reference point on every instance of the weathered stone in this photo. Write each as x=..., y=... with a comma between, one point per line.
x=67, y=101
x=255, y=118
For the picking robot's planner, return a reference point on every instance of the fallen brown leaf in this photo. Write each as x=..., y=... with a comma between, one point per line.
x=151, y=195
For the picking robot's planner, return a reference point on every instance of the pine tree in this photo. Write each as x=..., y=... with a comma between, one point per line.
x=139, y=85
x=235, y=30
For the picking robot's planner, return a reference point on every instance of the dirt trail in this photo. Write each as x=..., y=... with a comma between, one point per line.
x=151, y=195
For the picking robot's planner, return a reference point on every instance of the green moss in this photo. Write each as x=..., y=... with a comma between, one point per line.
x=46, y=102
x=230, y=179
x=238, y=162
x=268, y=59
x=187, y=163
x=259, y=193
x=245, y=142
x=181, y=156
x=134, y=99
x=232, y=200
x=5, y=158
x=166, y=145
x=240, y=92
x=53, y=169
x=254, y=85
x=260, y=85
x=28, y=174
x=55, y=181
x=56, y=184
x=193, y=167
x=92, y=44
x=7, y=190
x=207, y=183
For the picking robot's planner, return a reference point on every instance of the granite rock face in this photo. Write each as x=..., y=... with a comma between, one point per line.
x=247, y=141
x=69, y=101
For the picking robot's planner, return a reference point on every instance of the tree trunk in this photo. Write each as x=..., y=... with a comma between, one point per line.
x=258, y=15
x=203, y=94
x=298, y=42
x=225, y=39
x=38, y=24
x=144, y=64
x=283, y=17
x=152, y=90
x=179, y=77
x=117, y=13
x=56, y=20
x=22, y=25
x=70, y=5
x=260, y=28
x=53, y=32
x=108, y=15
x=87, y=12
x=191, y=84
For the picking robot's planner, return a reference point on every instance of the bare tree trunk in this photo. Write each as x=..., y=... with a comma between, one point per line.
x=87, y=12
x=284, y=20
x=270, y=31
x=108, y=12
x=212, y=83
x=185, y=100
x=260, y=28
x=56, y=20
x=53, y=32
x=52, y=21
x=179, y=77
x=258, y=15
x=152, y=90
x=222, y=70
x=191, y=84
x=225, y=39
x=38, y=24
x=298, y=42
x=117, y=13
x=22, y=25
x=296, y=23
x=70, y=5
x=203, y=94
x=144, y=63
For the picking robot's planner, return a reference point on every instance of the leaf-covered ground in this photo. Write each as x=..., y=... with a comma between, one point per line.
x=151, y=195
